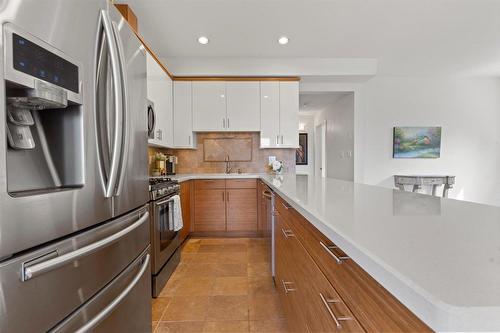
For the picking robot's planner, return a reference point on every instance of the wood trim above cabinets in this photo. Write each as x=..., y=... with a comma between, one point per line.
x=129, y=16
x=236, y=78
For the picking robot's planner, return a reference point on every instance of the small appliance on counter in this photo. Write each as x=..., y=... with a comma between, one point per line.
x=170, y=164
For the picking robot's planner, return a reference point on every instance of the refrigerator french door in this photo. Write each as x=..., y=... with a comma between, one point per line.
x=74, y=228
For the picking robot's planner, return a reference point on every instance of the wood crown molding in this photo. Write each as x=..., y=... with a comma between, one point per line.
x=131, y=19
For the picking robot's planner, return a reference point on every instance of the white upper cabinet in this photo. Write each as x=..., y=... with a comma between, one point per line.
x=269, y=114
x=160, y=93
x=289, y=114
x=183, y=115
x=243, y=106
x=209, y=106
x=279, y=118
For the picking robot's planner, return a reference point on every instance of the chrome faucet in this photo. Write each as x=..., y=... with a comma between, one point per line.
x=228, y=165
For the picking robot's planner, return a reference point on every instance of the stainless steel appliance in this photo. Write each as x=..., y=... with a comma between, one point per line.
x=151, y=119
x=164, y=240
x=268, y=194
x=170, y=164
x=74, y=224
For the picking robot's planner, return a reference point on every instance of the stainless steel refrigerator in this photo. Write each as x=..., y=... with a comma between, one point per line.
x=74, y=225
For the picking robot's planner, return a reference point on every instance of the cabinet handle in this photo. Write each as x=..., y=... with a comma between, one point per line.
x=287, y=207
x=285, y=286
x=227, y=122
x=282, y=140
x=336, y=319
x=287, y=233
x=267, y=194
x=277, y=139
x=329, y=250
x=223, y=196
x=223, y=122
x=189, y=138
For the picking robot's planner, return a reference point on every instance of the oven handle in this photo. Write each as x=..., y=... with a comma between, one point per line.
x=29, y=272
x=163, y=202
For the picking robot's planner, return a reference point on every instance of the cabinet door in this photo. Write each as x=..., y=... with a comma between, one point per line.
x=289, y=115
x=209, y=106
x=241, y=205
x=209, y=210
x=160, y=93
x=269, y=114
x=183, y=115
x=185, y=194
x=243, y=106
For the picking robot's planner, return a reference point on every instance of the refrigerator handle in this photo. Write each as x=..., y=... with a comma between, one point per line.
x=125, y=110
x=32, y=271
x=111, y=306
x=118, y=97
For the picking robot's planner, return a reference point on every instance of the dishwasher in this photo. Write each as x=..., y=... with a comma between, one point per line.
x=268, y=194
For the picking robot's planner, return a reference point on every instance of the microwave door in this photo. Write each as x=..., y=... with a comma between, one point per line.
x=132, y=185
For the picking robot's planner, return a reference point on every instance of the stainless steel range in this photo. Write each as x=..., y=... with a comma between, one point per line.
x=164, y=240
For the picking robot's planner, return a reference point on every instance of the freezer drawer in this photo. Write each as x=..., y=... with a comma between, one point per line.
x=50, y=283
x=124, y=305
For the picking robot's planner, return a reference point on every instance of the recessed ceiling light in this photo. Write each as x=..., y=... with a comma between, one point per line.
x=203, y=40
x=283, y=40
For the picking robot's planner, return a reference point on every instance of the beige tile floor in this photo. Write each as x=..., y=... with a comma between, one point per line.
x=221, y=285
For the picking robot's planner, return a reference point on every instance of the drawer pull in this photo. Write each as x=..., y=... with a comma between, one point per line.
x=286, y=288
x=287, y=233
x=267, y=194
x=329, y=250
x=286, y=205
x=336, y=319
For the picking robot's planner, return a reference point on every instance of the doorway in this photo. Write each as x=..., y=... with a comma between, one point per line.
x=320, y=151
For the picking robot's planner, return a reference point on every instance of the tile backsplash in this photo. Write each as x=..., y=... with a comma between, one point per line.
x=193, y=161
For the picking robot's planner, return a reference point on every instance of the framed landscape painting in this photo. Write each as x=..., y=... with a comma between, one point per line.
x=417, y=142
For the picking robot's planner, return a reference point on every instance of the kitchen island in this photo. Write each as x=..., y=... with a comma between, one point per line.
x=439, y=257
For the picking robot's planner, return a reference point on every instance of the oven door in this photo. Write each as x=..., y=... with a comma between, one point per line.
x=164, y=240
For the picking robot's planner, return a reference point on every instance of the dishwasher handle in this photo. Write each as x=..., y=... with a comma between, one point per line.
x=32, y=271
x=111, y=306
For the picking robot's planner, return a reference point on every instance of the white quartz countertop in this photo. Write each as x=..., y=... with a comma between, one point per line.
x=439, y=257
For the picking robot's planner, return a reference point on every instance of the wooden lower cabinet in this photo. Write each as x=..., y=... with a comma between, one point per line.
x=241, y=209
x=209, y=209
x=336, y=295
x=185, y=194
x=225, y=205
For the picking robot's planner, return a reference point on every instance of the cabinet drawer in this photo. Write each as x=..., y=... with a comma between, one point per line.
x=286, y=280
x=207, y=184
x=375, y=308
x=241, y=183
x=283, y=208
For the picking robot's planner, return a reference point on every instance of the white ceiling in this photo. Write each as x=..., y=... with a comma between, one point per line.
x=313, y=102
x=408, y=37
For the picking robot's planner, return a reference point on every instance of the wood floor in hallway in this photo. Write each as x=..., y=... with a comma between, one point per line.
x=221, y=285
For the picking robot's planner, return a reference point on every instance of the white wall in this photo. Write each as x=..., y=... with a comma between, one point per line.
x=308, y=122
x=467, y=109
x=339, y=137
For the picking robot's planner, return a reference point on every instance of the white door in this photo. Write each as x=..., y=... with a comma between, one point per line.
x=209, y=106
x=183, y=115
x=243, y=106
x=289, y=115
x=320, y=149
x=269, y=114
